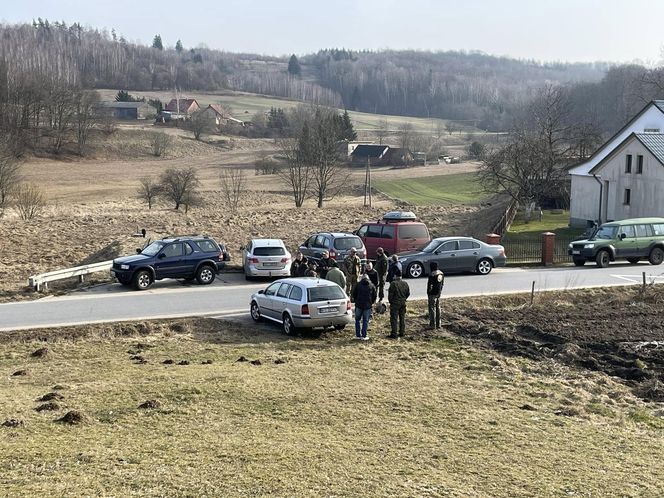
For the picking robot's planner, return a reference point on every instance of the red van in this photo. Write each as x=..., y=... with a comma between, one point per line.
x=397, y=231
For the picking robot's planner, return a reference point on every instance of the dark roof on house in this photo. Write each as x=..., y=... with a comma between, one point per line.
x=659, y=104
x=217, y=109
x=123, y=105
x=185, y=104
x=654, y=142
x=369, y=151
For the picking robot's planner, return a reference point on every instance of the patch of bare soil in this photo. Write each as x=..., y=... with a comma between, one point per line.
x=12, y=422
x=48, y=407
x=73, y=418
x=40, y=353
x=151, y=404
x=615, y=331
x=50, y=397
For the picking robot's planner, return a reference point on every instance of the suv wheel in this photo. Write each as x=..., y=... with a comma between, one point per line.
x=656, y=256
x=289, y=326
x=415, y=270
x=484, y=266
x=255, y=312
x=142, y=280
x=579, y=262
x=603, y=259
x=205, y=275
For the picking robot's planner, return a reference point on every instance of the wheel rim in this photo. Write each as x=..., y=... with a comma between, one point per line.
x=657, y=256
x=484, y=267
x=415, y=270
x=255, y=313
x=288, y=325
x=206, y=275
x=144, y=280
x=605, y=259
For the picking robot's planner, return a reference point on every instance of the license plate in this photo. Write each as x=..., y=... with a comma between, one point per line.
x=331, y=309
x=576, y=252
x=271, y=264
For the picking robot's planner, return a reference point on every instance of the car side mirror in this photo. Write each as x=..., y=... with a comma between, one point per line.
x=138, y=250
x=242, y=248
x=623, y=236
x=261, y=291
x=162, y=256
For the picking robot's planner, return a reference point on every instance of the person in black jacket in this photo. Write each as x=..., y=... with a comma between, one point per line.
x=364, y=296
x=372, y=274
x=299, y=266
x=395, y=265
x=325, y=263
x=434, y=290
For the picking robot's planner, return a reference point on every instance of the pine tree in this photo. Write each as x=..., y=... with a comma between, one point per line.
x=347, y=130
x=294, y=68
x=156, y=43
x=178, y=47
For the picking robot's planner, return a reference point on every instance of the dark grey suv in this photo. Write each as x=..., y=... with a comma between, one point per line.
x=338, y=244
x=194, y=257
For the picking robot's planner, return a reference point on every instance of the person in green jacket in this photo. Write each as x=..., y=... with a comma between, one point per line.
x=397, y=295
x=352, y=269
x=381, y=266
x=335, y=275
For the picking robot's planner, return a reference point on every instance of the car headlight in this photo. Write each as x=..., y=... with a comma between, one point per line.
x=124, y=267
x=569, y=246
x=588, y=246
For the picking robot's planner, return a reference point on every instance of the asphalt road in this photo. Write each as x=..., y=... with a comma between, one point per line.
x=229, y=295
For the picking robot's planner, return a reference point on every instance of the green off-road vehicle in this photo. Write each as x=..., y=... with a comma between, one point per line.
x=632, y=240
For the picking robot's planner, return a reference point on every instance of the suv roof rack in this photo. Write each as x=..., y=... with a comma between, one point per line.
x=396, y=216
x=178, y=237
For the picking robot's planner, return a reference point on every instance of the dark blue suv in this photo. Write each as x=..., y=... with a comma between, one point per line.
x=195, y=257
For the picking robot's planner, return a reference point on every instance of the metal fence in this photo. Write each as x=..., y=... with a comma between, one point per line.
x=528, y=249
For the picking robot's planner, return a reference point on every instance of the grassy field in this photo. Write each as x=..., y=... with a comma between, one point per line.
x=556, y=221
x=329, y=416
x=444, y=189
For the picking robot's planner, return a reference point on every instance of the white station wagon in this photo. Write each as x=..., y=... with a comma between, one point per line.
x=266, y=258
x=307, y=302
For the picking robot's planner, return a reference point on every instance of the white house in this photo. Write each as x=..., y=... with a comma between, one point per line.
x=598, y=188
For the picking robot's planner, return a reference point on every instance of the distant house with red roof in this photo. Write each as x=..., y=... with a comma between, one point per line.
x=216, y=112
x=184, y=106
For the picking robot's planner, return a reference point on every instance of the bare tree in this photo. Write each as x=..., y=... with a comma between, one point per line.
x=382, y=130
x=160, y=142
x=148, y=190
x=405, y=134
x=296, y=173
x=233, y=187
x=10, y=175
x=199, y=123
x=451, y=127
x=86, y=117
x=180, y=186
x=29, y=201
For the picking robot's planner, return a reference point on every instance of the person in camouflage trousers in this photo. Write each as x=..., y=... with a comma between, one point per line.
x=381, y=266
x=397, y=295
x=352, y=269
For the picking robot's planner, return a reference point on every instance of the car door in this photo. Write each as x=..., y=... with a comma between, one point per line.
x=644, y=239
x=467, y=255
x=294, y=302
x=307, y=247
x=246, y=254
x=170, y=260
x=281, y=300
x=626, y=246
x=446, y=256
x=267, y=301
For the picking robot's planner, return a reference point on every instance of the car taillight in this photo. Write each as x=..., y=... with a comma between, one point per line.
x=253, y=260
x=285, y=260
x=502, y=251
x=305, y=309
x=348, y=306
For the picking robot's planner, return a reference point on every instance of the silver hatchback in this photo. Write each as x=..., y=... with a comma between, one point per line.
x=306, y=302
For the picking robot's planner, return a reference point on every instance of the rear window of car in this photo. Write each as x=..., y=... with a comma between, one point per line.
x=345, y=243
x=659, y=229
x=207, y=245
x=327, y=293
x=296, y=293
x=468, y=244
x=269, y=251
x=415, y=231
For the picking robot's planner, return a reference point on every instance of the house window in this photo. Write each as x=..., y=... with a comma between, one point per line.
x=627, y=197
x=628, y=164
x=639, y=165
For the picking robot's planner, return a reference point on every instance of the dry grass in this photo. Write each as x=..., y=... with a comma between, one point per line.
x=424, y=417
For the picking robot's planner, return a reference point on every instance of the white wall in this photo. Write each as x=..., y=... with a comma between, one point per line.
x=584, y=200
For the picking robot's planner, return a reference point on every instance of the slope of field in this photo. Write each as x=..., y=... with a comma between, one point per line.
x=178, y=408
x=442, y=189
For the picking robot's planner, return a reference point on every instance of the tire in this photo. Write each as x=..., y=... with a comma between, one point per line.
x=603, y=259
x=415, y=270
x=288, y=325
x=255, y=312
x=484, y=266
x=579, y=262
x=633, y=260
x=205, y=275
x=656, y=256
x=142, y=280
x=248, y=278
x=339, y=327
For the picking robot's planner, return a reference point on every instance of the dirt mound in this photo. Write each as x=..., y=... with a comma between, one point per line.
x=168, y=362
x=279, y=361
x=12, y=422
x=206, y=362
x=256, y=362
x=59, y=387
x=20, y=373
x=73, y=418
x=40, y=353
x=48, y=407
x=241, y=359
x=183, y=362
x=51, y=397
x=151, y=404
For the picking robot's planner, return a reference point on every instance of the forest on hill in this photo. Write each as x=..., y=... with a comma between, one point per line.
x=476, y=88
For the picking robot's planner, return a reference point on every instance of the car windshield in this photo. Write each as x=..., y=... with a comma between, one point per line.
x=606, y=232
x=153, y=248
x=269, y=251
x=326, y=293
x=430, y=247
x=345, y=243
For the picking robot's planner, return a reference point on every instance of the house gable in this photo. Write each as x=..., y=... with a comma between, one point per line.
x=653, y=142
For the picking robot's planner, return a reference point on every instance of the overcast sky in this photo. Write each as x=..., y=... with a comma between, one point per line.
x=551, y=30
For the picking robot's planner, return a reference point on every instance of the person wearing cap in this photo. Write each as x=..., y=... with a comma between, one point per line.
x=382, y=265
x=434, y=290
x=364, y=296
x=352, y=269
x=397, y=295
x=325, y=263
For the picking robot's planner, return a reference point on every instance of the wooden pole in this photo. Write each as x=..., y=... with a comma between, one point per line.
x=532, y=293
x=644, y=281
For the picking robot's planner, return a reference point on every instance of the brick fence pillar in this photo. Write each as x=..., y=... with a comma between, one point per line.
x=548, y=243
x=492, y=238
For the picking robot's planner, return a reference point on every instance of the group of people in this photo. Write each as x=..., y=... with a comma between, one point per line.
x=366, y=287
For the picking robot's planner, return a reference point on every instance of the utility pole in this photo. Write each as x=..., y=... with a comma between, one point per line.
x=367, y=184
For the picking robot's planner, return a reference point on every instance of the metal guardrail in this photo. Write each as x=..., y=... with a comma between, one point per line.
x=42, y=280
